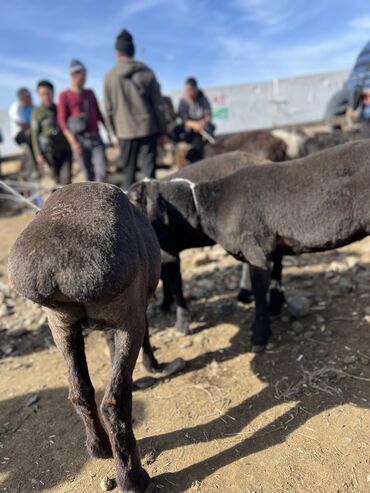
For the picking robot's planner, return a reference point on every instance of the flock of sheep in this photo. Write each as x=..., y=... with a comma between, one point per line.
x=93, y=257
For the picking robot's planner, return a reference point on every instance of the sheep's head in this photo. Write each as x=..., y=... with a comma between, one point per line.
x=146, y=196
x=137, y=196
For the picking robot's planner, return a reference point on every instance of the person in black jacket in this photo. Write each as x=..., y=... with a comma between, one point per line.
x=51, y=148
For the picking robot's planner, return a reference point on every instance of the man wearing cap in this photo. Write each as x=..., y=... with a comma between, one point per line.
x=134, y=109
x=78, y=117
x=20, y=114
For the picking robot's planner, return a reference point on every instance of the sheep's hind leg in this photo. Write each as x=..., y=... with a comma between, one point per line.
x=149, y=360
x=109, y=336
x=168, y=298
x=245, y=294
x=261, y=326
x=277, y=297
x=117, y=410
x=172, y=273
x=65, y=325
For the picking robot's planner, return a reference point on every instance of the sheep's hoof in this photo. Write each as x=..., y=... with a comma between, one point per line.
x=99, y=451
x=166, y=306
x=157, y=368
x=182, y=320
x=139, y=482
x=154, y=369
x=151, y=364
x=277, y=300
x=245, y=296
x=257, y=348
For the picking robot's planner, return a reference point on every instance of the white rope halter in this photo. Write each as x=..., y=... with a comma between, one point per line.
x=184, y=180
x=19, y=196
x=192, y=188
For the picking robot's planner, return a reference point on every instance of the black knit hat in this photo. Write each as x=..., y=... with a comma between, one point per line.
x=125, y=43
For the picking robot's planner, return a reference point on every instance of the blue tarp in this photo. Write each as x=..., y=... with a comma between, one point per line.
x=358, y=78
x=360, y=74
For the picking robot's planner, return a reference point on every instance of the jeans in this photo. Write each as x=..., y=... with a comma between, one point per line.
x=142, y=150
x=93, y=161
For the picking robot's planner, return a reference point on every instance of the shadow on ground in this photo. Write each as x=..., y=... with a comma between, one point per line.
x=45, y=442
x=344, y=315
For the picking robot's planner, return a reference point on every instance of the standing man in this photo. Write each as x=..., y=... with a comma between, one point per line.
x=20, y=113
x=78, y=117
x=50, y=146
x=195, y=113
x=134, y=109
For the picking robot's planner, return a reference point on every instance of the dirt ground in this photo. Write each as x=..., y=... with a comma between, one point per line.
x=294, y=419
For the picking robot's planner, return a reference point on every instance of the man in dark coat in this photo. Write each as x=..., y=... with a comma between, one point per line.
x=134, y=109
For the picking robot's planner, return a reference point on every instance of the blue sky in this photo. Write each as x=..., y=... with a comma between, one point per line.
x=220, y=42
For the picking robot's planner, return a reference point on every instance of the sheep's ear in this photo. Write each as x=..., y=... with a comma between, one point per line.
x=157, y=210
x=136, y=194
x=162, y=210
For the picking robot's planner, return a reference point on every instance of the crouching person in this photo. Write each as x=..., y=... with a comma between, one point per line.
x=51, y=148
x=78, y=116
x=195, y=113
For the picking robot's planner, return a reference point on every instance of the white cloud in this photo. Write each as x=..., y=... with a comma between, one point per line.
x=270, y=15
x=11, y=80
x=362, y=23
x=138, y=7
x=260, y=59
x=17, y=72
x=278, y=15
x=90, y=32
x=32, y=67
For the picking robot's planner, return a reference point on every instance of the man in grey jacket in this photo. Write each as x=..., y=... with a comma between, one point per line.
x=134, y=110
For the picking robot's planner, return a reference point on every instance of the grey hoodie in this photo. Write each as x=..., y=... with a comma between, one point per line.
x=133, y=101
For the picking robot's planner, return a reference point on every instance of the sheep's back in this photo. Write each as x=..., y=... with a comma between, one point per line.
x=217, y=167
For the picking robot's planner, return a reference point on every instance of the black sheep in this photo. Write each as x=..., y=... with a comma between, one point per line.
x=92, y=259
x=260, y=213
x=180, y=232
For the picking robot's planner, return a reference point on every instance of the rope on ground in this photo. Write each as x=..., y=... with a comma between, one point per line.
x=316, y=380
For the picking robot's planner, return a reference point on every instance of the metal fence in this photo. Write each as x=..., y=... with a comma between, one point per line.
x=270, y=104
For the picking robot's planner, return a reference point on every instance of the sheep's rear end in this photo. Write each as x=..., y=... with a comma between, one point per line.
x=90, y=257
